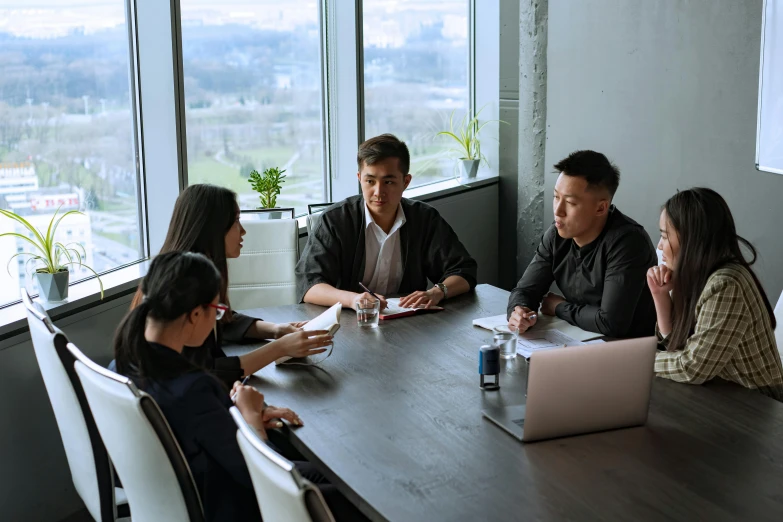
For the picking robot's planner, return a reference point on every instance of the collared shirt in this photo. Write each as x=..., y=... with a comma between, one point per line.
x=604, y=282
x=733, y=338
x=383, y=261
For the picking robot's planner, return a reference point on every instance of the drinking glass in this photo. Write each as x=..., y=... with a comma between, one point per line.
x=368, y=312
x=506, y=339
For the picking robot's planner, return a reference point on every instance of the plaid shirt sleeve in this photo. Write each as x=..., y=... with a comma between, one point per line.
x=721, y=321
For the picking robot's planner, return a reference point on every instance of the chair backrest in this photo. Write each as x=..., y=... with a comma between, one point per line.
x=283, y=495
x=91, y=469
x=779, y=327
x=264, y=274
x=314, y=214
x=154, y=473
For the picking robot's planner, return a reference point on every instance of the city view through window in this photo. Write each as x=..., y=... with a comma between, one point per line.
x=66, y=132
x=253, y=88
x=253, y=98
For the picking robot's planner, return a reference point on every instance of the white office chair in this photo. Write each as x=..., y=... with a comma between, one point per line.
x=779, y=327
x=264, y=274
x=91, y=470
x=149, y=461
x=283, y=495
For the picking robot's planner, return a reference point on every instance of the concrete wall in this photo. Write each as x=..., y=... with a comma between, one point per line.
x=667, y=90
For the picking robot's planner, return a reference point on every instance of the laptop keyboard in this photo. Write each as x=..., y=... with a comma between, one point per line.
x=519, y=422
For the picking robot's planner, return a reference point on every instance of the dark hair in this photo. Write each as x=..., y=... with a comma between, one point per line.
x=176, y=283
x=384, y=147
x=594, y=167
x=203, y=215
x=708, y=241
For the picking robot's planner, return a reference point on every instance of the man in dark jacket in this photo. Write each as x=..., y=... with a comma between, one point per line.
x=597, y=256
x=390, y=244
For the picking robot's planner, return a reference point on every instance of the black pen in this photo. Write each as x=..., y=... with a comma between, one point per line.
x=369, y=291
x=244, y=381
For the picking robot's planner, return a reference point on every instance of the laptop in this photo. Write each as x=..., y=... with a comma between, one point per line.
x=582, y=389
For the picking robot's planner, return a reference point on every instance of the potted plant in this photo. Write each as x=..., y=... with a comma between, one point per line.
x=468, y=143
x=268, y=186
x=52, y=257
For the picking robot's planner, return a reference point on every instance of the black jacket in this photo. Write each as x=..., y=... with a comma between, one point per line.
x=334, y=253
x=196, y=405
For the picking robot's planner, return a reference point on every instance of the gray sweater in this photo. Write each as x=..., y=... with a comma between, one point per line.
x=334, y=253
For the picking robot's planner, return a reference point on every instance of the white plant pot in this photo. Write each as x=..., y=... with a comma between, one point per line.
x=52, y=287
x=468, y=169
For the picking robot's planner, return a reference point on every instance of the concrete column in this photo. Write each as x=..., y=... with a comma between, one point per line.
x=533, y=21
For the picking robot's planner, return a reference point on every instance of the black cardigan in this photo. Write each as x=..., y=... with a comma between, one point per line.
x=334, y=253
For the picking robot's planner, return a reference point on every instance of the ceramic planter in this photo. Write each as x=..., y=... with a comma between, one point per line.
x=468, y=169
x=52, y=287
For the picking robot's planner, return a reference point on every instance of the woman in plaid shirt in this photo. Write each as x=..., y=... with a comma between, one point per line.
x=713, y=315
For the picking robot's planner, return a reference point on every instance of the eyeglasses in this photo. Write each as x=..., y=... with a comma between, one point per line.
x=221, y=310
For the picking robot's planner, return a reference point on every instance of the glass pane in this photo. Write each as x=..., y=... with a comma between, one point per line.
x=253, y=96
x=415, y=75
x=66, y=133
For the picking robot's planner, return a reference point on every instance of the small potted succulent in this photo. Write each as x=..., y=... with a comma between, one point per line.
x=268, y=186
x=49, y=258
x=468, y=148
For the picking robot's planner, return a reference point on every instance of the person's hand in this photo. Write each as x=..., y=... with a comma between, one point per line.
x=522, y=318
x=282, y=329
x=302, y=344
x=550, y=303
x=274, y=416
x=660, y=279
x=368, y=296
x=250, y=403
x=422, y=299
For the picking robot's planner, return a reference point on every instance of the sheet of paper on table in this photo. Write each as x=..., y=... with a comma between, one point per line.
x=544, y=322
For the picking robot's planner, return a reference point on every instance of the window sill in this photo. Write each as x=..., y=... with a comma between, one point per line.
x=124, y=281
x=81, y=296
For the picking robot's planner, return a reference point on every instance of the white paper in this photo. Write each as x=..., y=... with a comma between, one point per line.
x=393, y=307
x=488, y=323
x=543, y=322
x=329, y=320
x=537, y=340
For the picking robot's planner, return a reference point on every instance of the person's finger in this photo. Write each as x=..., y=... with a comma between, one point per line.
x=282, y=413
x=314, y=333
x=315, y=351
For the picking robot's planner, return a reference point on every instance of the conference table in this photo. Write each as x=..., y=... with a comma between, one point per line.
x=393, y=418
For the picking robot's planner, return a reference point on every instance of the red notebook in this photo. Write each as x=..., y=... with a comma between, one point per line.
x=393, y=310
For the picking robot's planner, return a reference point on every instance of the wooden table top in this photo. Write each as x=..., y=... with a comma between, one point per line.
x=394, y=417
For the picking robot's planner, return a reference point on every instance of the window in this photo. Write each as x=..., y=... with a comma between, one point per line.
x=415, y=75
x=66, y=131
x=253, y=96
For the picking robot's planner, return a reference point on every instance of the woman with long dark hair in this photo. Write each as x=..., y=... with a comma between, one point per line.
x=179, y=308
x=713, y=315
x=206, y=221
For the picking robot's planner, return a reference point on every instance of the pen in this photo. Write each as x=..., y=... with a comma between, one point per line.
x=244, y=381
x=532, y=316
x=368, y=291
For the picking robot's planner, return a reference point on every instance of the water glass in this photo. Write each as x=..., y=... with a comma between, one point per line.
x=368, y=312
x=506, y=339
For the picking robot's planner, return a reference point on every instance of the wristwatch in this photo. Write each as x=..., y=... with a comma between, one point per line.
x=443, y=289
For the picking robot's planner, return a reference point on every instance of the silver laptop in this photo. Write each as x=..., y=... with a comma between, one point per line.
x=582, y=389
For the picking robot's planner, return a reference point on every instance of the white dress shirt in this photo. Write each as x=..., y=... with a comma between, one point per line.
x=383, y=256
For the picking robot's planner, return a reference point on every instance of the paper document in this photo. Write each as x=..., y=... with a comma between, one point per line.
x=329, y=320
x=537, y=340
x=543, y=322
x=393, y=307
x=488, y=323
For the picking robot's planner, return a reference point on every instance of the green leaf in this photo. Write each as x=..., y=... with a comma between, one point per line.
x=95, y=273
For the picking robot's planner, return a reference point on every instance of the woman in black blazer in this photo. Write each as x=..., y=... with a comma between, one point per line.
x=206, y=221
x=179, y=309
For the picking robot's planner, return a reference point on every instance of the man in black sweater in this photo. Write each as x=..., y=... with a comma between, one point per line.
x=597, y=256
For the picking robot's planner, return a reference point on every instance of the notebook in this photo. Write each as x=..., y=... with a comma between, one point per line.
x=393, y=310
x=544, y=322
x=329, y=321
